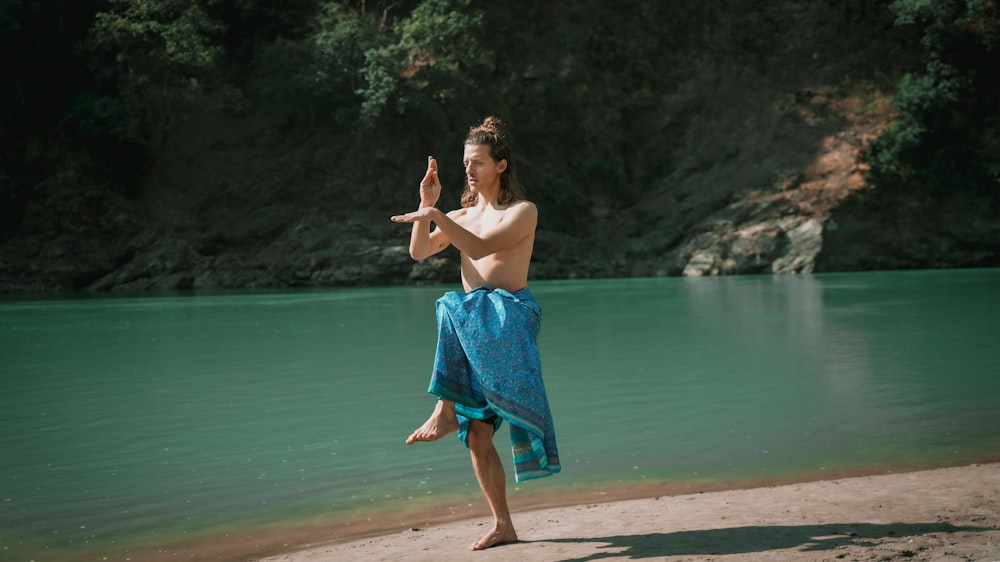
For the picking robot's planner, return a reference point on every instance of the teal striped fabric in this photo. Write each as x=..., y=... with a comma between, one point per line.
x=487, y=362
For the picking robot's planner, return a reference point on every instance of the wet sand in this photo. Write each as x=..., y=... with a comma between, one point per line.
x=945, y=514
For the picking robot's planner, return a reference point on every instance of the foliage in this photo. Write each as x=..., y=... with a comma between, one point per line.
x=599, y=95
x=945, y=135
x=158, y=53
x=923, y=102
x=431, y=61
x=364, y=65
x=317, y=73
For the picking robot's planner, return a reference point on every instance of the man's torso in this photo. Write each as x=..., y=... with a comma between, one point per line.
x=506, y=269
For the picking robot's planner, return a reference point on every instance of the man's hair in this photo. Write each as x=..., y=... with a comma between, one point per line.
x=490, y=133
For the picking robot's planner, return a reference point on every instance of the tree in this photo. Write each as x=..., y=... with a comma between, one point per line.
x=159, y=54
x=431, y=59
x=946, y=134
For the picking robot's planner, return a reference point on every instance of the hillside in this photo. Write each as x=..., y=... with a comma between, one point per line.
x=714, y=142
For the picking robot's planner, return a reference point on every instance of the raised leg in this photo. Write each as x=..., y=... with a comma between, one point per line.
x=442, y=422
x=489, y=472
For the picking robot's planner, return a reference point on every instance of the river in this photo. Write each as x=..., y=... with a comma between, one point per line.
x=138, y=424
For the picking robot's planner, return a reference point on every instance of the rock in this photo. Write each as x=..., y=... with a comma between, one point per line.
x=157, y=259
x=805, y=240
x=702, y=262
x=754, y=249
x=785, y=245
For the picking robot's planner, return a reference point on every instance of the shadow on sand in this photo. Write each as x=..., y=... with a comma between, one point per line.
x=746, y=540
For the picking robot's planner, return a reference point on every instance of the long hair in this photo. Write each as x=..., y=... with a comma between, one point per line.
x=490, y=133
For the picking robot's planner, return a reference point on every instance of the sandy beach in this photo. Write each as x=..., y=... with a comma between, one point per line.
x=946, y=514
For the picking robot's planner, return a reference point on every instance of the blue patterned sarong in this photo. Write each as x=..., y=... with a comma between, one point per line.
x=487, y=362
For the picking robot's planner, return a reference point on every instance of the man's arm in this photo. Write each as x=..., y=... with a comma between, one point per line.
x=423, y=242
x=519, y=221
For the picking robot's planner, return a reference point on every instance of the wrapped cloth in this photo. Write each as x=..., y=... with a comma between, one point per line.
x=487, y=362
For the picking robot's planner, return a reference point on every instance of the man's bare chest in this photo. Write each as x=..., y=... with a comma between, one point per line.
x=481, y=222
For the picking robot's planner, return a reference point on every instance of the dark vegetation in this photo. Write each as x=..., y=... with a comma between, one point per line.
x=223, y=143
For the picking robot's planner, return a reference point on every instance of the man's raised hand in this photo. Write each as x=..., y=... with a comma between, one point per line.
x=430, y=186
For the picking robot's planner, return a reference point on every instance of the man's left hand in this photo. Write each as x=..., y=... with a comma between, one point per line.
x=420, y=215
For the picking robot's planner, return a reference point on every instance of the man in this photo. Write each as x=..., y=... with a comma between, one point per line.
x=487, y=368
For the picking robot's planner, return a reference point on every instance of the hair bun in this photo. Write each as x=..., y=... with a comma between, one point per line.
x=491, y=125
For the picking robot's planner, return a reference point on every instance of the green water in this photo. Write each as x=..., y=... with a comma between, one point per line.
x=149, y=420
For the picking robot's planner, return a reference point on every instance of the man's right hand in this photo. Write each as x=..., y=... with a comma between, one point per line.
x=430, y=186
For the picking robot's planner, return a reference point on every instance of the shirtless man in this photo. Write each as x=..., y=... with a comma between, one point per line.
x=474, y=366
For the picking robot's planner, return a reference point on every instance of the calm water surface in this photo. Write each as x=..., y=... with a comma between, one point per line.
x=137, y=421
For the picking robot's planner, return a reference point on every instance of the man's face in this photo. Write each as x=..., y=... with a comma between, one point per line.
x=481, y=170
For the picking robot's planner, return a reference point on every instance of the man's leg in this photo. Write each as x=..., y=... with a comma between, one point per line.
x=442, y=422
x=489, y=471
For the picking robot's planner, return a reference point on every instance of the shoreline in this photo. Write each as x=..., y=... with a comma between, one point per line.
x=451, y=528
x=945, y=513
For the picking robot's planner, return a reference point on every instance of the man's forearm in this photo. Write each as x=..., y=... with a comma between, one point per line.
x=420, y=240
x=467, y=242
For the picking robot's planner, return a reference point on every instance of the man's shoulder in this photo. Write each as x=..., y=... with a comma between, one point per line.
x=522, y=205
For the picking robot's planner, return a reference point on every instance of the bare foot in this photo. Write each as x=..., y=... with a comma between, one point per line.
x=495, y=537
x=440, y=423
